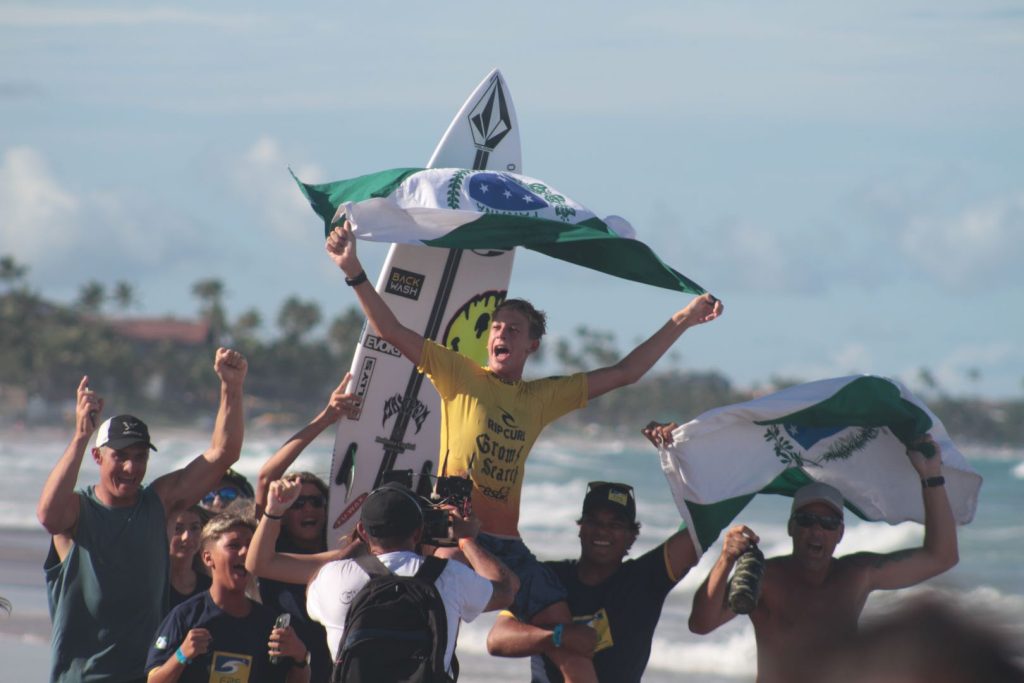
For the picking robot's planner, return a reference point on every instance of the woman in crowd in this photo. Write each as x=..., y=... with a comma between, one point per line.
x=186, y=576
x=304, y=527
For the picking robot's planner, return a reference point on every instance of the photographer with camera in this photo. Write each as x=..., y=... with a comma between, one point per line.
x=390, y=528
x=810, y=598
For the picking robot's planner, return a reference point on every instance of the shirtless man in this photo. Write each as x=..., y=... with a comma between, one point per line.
x=106, y=572
x=491, y=417
x=810, y=597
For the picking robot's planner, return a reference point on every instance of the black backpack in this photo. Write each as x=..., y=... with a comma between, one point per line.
x=396, y=628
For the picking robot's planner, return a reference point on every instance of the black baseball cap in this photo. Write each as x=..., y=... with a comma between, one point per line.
x=391, y=511
x=612, y=496
x=122, y=431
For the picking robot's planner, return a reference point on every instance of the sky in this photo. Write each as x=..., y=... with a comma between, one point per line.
x=847, y=177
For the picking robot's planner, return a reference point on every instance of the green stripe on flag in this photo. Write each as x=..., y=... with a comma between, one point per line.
x=864, y=402
x=588, y=243
x=709, y=520
x=326, y=198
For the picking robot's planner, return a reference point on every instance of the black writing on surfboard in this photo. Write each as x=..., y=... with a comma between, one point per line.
x=491, y=121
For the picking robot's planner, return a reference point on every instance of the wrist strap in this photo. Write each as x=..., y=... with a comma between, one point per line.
x=357, y=280
x=181, y=657
x=276, y=518
x=933, y=481
x=556, y=634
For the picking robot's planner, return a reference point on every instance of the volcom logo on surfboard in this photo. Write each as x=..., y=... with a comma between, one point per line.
x=416, y=410
x=404, y=283
x=489, y=121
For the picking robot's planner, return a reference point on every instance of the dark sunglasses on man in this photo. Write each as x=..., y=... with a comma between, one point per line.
x=227, y=494
x=809, y=519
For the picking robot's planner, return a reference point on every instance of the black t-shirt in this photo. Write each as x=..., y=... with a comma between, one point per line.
x=203, y=582
x=238, y=645
x=291, y=598
x=624, y=611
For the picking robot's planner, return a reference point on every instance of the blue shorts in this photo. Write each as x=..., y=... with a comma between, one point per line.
x=538, y=585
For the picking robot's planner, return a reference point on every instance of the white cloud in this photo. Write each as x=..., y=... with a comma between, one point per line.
x=37, y=215
x=981, y=243
x=260, y=176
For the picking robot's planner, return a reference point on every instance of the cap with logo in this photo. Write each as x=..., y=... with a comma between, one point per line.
x=122, y=431
x=391, y=511
x=818, y=492
x=613, y=496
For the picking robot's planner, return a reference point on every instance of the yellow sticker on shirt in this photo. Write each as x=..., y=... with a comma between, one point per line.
x=598, y=622
x=230, y=667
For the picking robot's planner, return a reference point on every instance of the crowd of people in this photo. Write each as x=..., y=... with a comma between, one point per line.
x=198, y=576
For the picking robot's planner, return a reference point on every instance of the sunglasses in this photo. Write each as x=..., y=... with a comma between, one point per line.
x=225, y=493
x=809, y=519
x=317, y=502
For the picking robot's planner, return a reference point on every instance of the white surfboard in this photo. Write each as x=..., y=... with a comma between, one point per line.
x=445, y=294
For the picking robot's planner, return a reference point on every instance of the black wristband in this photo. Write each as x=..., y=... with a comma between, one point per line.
x=274, y=517
x=357, y=280
x=933, y=481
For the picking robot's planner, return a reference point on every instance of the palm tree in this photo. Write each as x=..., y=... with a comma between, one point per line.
x=210, y=293
x=11, y=272
x=90, y=297
x=124, y=295
x=297, y=318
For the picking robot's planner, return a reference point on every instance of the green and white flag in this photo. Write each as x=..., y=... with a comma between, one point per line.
x=848, y=432
x=463, y=209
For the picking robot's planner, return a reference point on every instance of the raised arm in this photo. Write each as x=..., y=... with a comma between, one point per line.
x=58, y=505
x=680, y=554
x=340, y=403
x=905, y=568
x=184, y=487
x=341, y=247
x=262, y=558
x=504, y=584
x=710, y=609
x=637, y=362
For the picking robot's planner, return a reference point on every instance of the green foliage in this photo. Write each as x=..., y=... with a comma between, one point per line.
x=45, y=349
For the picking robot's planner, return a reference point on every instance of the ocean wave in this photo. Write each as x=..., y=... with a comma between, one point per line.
x=732, y=656
x=1018, y=471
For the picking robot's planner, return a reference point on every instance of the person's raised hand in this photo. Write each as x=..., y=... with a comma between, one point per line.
x=88, y=407
x=341, y=247
x=230, y=366
x=658, y=433
x=701, y=309
x=283, y=492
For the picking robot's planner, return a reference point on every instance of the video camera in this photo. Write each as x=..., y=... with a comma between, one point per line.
x=454, y=491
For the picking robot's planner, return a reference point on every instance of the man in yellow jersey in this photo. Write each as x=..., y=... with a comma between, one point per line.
x=491, y=417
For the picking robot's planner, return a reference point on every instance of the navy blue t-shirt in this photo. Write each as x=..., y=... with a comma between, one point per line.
x=238, y=645
x=624, y=610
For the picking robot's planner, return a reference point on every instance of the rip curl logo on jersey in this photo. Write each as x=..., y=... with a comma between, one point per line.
x=230, y=667
x=404, y=283
x=161, y=643
x=412, y=408
x=470, y=326
x=501, y=192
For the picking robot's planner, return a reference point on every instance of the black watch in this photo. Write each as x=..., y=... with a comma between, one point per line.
x=303, y=663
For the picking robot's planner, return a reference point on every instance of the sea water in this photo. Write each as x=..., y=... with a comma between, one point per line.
x=988, y=578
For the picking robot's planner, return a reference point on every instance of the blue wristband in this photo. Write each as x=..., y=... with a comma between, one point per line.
x=181, y=657
x=556, y=635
